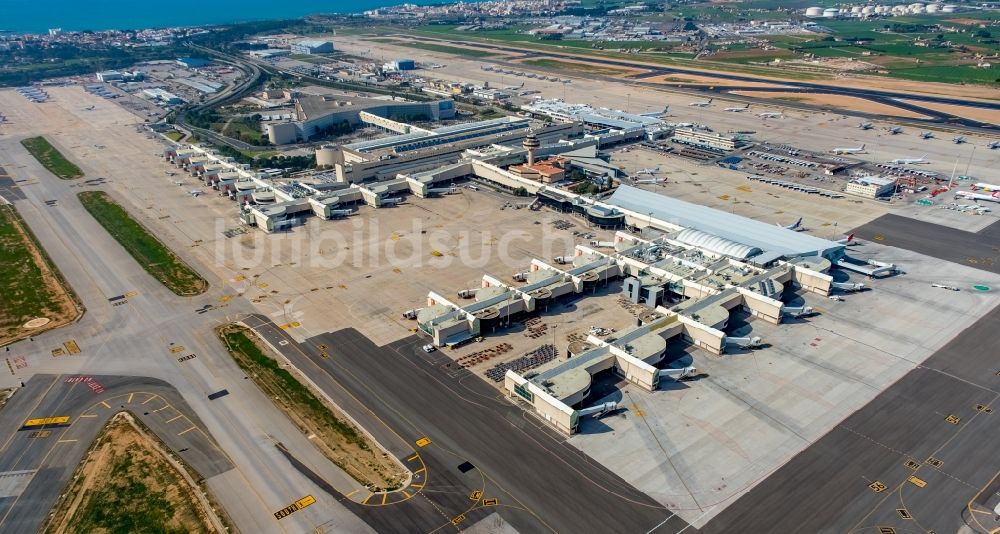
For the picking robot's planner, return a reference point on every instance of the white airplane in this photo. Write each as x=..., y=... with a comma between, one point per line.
x=648, y=171
x=849, y=240
x=958, y=139
x=844, y=150
x=702, y=104
x=895, y=130
x=651, y=181
x=178, y=183
x=969, y=195
x=927, y=135
x=990, y=188
x=771, y=115
x=922, y=160
x=796, y=226
x=88, y=108
x=994, y=145
x=737, y=109
x=170, y=173
x=194, y=192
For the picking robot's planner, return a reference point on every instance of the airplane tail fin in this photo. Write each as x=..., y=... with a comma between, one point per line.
x=709, y=100
x=798, y=222
x=862, y=146
x=850, y=238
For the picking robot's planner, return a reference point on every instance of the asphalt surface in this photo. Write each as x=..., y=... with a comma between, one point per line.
x=826, y=487
x=542, y=483
x=979, y=250
x=36, y=462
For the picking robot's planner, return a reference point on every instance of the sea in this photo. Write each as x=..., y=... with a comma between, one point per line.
x=75, y=15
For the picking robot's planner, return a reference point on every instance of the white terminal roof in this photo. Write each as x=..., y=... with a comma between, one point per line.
x=740, y=236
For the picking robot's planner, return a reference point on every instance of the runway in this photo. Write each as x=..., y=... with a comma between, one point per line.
x=542, y=483
x=979, y=250
x=926, y=426
x=36, y=462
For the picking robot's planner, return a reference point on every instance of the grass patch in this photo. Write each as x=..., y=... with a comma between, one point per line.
x=343, y=444
x=151, y=254
x=174, y=135
x=52, y=159
x=585, y=68
x=453, y=50
x=126, y=485
x=30, y=286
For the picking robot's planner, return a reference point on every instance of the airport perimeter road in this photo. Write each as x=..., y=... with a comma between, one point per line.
x=978, y=250
x=534, y=473
x=36, y=462
x=915, y=459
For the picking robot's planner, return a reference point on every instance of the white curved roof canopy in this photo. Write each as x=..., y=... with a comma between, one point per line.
x=714, y=243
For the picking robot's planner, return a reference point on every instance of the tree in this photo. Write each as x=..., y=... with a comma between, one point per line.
x=520, y=192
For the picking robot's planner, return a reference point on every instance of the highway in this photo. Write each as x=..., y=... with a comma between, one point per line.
x=403, y=394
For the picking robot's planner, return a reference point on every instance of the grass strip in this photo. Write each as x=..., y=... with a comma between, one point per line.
x=51, y=159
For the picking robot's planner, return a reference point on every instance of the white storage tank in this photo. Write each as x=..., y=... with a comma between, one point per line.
x=881, y=9
x=831, y=12
x=950, y=8
x=855, y=10
x=814, y=12
x=868, y=10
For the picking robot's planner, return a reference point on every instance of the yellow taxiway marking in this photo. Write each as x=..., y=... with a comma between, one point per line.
x=916, y=481
x=351, y=493
x=165, y=406
x=47, y=421
x=406, y=494
x=186, y=431
x=368, y=498
x=476, y=495
x=176, y=348
x=105, y=403
x=491, y=502
x=423, y=442
x=416, y=486
x=72, y=347
x=385, y=496
x=147, y=401
x=130, y=294
x=68, y=441
x=411, y=458
x=174, y=418
x=130, y=395
x=88, y=415
x=421, y=470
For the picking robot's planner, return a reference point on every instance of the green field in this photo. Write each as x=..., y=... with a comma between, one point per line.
x=30, y=286
x=174, y=135
x=151, y=254
x=454, y=50
x=52, y=159
x=584, y=68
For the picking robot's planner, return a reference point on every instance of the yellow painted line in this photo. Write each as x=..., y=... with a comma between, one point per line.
x=416, y=486
x=147, y=401
x=68, y=441
x=176, y=417
x=491, y=502
x=165, y=406
x=305, y=501
x=72, y=347
x=916, y=481
x=385, y=496
x=88, y=415
x=105, y=403
x=186, y=431
x=129, y=294
x=177, y=348
x=414, y=457
x=351, y=493
x=368, y=498
x=423, y=442
x=421, y=470
x=406, y=494
x=476, y=495
x=130, y=395
x=457, y=519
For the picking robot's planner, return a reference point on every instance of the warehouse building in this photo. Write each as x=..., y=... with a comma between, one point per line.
x=312, y=46
x=871, y=186
x=701, y=138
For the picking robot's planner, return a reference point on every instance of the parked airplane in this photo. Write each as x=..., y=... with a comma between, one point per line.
x=910, y=161
x=866, y=126
x=178, y=183
x=958, y=139
x=927, y=135
x=797, y=225
x=994, y=145
x=985, y=187
x=843, y=150
x=170, y=173
x=771, y=115
x=194, y=192
x=849, y=240
x=648, y=171
x=657, y=114
x=651, y=181
x=895, y=130
x=702, y=104
x=969, y=195
x=88, y=108
x=737, y=109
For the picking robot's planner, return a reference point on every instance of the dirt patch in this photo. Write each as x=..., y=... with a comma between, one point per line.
x=126, y=484
x=986, y=115
x=834, y=101
x=30, y=287
x=338, y=439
